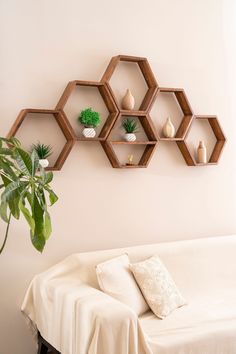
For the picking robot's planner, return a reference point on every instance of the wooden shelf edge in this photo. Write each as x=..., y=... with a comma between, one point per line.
x=205, y=164
x=131, y=166
x=90, y=139
x=121, y=142
x=135, y=112
x=172, y=139
x=170, y=89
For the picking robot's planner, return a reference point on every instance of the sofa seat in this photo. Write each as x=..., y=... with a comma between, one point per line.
x=205, y=325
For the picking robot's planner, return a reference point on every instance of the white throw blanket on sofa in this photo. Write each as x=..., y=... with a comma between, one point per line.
x=65, y=305
x=78, y=319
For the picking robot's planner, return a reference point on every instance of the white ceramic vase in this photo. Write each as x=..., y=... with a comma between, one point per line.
x=168, y=129
x=201, y=153
x=89, y=132
x=130, y=137
x=128, y=102
x=43, y=163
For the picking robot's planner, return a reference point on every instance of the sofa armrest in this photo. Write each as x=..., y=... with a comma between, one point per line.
x=78, y=319
x=104, y=325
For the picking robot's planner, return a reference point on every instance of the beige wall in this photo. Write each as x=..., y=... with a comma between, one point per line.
x=44, y=44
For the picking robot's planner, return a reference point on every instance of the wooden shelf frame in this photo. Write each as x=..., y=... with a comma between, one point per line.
x=183, y=103
x=64, y=125
x=150, y=144
x=146, y=72
x=107, y=99
x=115, y=113
x=218, y=147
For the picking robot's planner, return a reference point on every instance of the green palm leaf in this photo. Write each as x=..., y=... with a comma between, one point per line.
x=24, y=161
x=35, y=162
x=25, y=211
x=12, y=190
x=3, y=211
x=47, y=225
x=38, y=235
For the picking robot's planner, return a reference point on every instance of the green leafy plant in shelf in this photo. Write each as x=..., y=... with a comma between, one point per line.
x=25, y=190
x=43, y=151
x=130, y=126
x=89, y=118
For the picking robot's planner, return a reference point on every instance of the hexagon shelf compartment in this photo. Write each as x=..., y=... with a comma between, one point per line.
x=146, y=71
x=63, y=124
x=149, y=144
x=181, y=100
x=107, y=99
x=218, y=147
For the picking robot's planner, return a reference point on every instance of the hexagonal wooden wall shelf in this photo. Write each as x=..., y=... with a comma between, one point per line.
x=150, y=144
x=62, y=122
x=184, y=105
x=217, y=150
x=142, y=114
x=146, y=71
x=107, y=98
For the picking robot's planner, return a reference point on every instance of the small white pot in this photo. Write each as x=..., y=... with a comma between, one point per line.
x=44, y=163
x=130, y=137
x=89, y=132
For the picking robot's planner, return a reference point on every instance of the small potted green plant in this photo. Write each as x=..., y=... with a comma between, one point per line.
x=89, y=119
x=43, y=151
x=130, y=127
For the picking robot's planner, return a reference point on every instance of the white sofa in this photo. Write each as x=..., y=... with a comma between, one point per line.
x=74, y=316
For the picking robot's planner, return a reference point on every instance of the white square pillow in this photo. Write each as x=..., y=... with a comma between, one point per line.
x=116, y=279
x=157, y=286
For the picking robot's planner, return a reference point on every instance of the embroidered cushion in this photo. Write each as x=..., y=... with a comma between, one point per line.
x=157, y=286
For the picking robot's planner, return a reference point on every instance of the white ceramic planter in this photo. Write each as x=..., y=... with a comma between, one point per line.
x=130, y=137
x=89, y=132
x=44, y=163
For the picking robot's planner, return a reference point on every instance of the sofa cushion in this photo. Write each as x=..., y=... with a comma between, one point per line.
x=158, y=287
x=116, y=279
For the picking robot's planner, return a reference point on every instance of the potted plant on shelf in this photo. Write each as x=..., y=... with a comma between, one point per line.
x=43, y=151
x=25, y=190
x=130, y=127
x=89, y=119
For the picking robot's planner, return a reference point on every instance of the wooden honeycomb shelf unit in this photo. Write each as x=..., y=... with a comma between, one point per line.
x=143, y=114
x=150, y=145
x=107, y=99
x=185, y=107
x=63, y=124
x=146, y=72
x=218, y=147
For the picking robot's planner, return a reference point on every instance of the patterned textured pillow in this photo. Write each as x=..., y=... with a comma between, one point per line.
x=158, y=287
x=116, y=279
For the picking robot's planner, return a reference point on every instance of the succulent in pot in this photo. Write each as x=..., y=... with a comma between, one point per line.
x=89, y=119
x=130, y=127
x=43, y=151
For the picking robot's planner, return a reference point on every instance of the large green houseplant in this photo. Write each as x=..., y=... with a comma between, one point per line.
x=25, y=189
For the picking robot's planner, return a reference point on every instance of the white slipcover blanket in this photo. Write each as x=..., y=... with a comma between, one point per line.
x=65, y=305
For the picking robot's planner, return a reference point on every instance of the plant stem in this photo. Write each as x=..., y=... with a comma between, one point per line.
x=6, y=234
